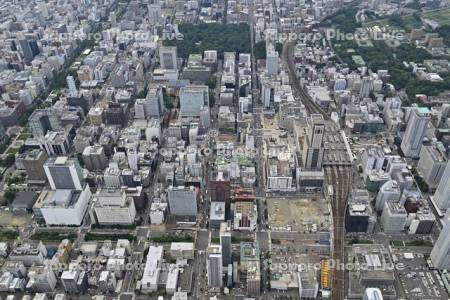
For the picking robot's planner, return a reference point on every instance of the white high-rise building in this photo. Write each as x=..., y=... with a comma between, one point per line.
x=43, y=9
x=132, y=155
x=73, y=92
x=168, y=58
x=25, y=97
x=152, y=271
x=154, y=13
x=372, y=160
x=415, y=131
x=154, y=102
x=366, y=87
x=388, y=192
x=394, y=217
x=442, y=194
x=432, y=163
x=272, y=63
x=111, y=177
x=62, y=207
x=139, y=112
x=245, y=104
x=440, y=255
x=113, y=18
x=214, y=266
x=113, y=207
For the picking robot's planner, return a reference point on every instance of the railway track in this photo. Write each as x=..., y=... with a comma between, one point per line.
x=339, y=176
x=299, y=91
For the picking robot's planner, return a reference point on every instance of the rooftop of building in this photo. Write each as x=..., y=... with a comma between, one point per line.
x=57, y=198
x=437, y=151
x=34, y=154
x=249, y=251
x=395, y=208
x=24, y=200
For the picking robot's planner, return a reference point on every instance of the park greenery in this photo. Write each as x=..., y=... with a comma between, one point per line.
x=15, y=179
x=391, y=58
x=243, y=239
x=9, y=195
x=6, y=235
x=171, y=238
x=169, y=100
x=419, y=243
x=260, y=49
x=50, y=236
x=5, y=143
x=413, y=243
x=143, y=93
x=8, y=161
x=344, y=20
x=423, y=186
x=214, y=36
x=116, y=226
x=444, y=32
x=90, y=236
x=236, y=240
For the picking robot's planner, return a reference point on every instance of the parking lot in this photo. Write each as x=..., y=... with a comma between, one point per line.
x=417, y=281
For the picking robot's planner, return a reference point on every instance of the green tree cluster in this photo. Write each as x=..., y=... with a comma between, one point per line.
x=215, y=36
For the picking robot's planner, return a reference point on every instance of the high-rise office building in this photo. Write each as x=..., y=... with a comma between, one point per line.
x=34, y=165
x=133, y=158
x=64, y=173
x=432, y=163
x=116, y=113
x=415, y=131
x=154, y=102
x=214, y=266
x=43, y=120
x=43, y=9
x=69, y=280
x=113, y=18
x=250, y=268
x=272, y=63
x=73, y=92
x=440, y=254
x=313, y=148
x=154, y=13
x=168, y=58
x=112, y=207
x=394, y=217
x=57, y=143
x=373, y=160
x=253, y=279
x=225, y=243
x=25, y=48
x=94, y=158
x=442, y=195
x=182, y=201
x=366, y=87
x=193, y=99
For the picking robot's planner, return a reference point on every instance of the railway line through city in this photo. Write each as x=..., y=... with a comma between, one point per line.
x=337, y=175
